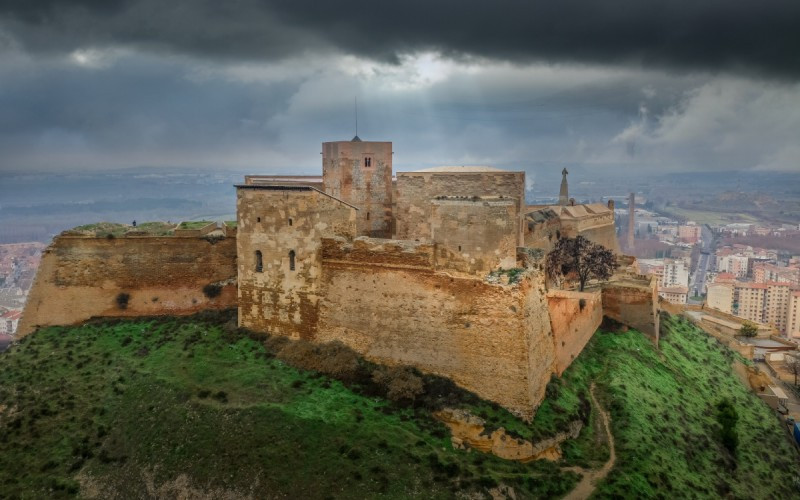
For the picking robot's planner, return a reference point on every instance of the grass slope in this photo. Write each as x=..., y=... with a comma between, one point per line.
x=164, y=407
x=663, y=410
x=139, y=407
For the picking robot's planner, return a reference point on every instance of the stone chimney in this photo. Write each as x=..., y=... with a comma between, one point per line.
x=631, y=223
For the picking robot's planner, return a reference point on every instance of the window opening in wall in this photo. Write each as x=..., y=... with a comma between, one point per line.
x=258, y=219
x=459, y=248
x=367, y=215
x=259, y=261
x=291, y=260
x=367, y=161
x=290, y=221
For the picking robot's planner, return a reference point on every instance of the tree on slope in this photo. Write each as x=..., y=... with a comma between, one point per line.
x=748, y=329
x=580, y=257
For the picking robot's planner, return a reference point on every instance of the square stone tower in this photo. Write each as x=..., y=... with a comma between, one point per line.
x=360, y=173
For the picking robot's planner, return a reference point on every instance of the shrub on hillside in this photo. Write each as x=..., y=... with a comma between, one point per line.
x=748, y=329
x=122, y=300
x=212, y=290
x=727, y=418
x=333, y=358
x=401, y=383
x=553, y=387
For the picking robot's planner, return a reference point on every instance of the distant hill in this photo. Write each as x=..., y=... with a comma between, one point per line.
x=194, y=407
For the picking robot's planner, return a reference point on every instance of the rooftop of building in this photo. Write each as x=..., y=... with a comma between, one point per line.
x=761, y=286
x=291, y=187
x=579, y=211
x=266, y=179
x=541, y=215
x=463, y=169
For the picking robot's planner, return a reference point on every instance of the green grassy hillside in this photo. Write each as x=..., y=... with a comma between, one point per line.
x=177, y=406
x=663, y=407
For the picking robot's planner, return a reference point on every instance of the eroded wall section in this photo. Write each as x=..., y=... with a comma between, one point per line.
x=81, y=277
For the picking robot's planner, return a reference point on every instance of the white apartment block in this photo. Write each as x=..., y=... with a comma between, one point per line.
x=674, y=295
x=734, y=264
x=720, y=297
x=793, y=316
x=676, y=274
x=774, y=304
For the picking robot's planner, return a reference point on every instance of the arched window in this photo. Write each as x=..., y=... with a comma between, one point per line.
x=290, y=221
x=291, y=260
x=259, y=261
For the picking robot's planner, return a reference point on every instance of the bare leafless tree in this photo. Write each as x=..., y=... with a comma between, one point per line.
x=581, y=257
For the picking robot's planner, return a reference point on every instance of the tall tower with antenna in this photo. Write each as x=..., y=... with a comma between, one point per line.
x=355, y=105
x=360, y=173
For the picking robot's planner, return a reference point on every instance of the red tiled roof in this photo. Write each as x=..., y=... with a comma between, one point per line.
x=11, y=315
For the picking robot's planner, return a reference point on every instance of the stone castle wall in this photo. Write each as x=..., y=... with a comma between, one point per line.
x=574, y=317
x=81, y=277
x=603, y=233
x=390, y=305
x=285, y=227
x=481, y=232
x=633, y=301
x=415, y=192
x=544, y=227
x=360, y=173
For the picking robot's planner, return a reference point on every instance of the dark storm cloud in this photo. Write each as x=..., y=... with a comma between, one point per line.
x=713, y=35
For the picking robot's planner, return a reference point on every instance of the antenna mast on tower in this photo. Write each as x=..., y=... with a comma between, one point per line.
x=355, y=106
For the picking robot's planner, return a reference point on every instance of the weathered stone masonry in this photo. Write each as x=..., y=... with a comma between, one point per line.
x=80, y=277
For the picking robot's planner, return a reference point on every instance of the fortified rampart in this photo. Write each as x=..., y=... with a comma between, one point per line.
x=574, y=317
x=595, y=222
x=481, y=231
x=385, y=300
x=416, y=192
x=633, y=300
x=279, y=233
x=80, y=277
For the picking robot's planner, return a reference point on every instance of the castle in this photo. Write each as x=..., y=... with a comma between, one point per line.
x=441, y=269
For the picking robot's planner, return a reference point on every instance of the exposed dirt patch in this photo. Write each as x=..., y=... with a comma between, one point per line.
x=588, y=483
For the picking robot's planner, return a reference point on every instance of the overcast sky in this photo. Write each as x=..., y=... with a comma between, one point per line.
x=645, y=85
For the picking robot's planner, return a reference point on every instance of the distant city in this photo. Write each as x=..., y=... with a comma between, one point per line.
x=747, y=269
